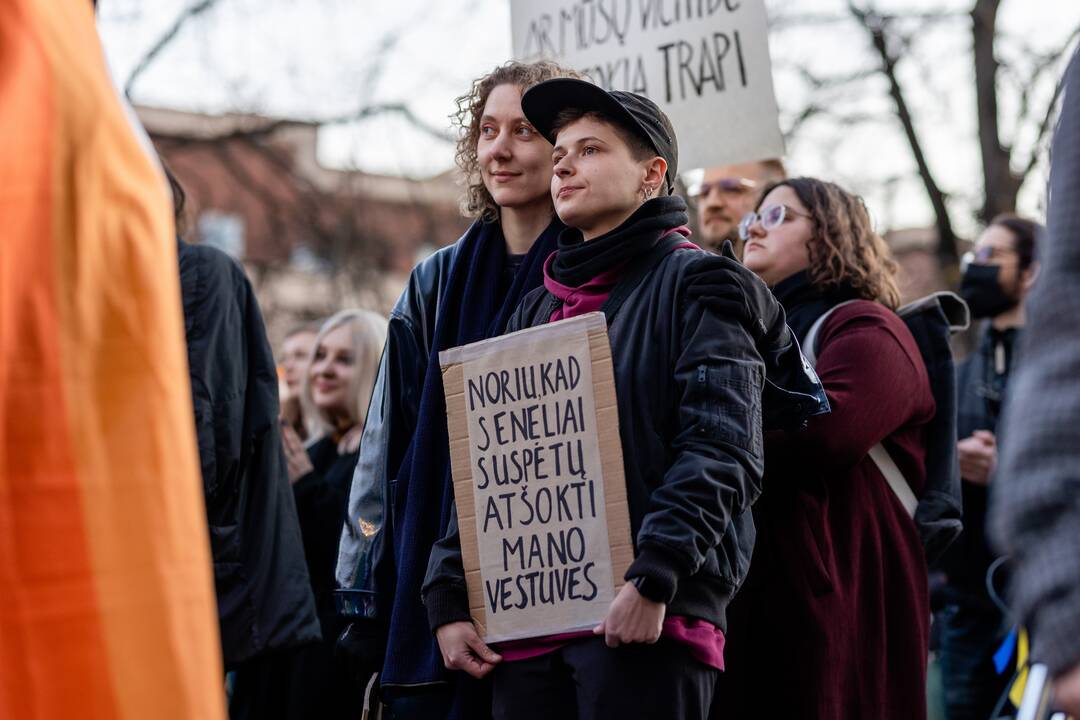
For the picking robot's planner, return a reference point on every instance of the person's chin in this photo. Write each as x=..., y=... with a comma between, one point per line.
x=717, y=228
x=325, y=400
x=752, y=261
x=569, y=211
x=506, y=196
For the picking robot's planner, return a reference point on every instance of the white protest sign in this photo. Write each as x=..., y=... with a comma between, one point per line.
x=538, y=477
x=704, y=62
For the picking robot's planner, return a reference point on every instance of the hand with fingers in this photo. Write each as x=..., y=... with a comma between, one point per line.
x=730, y=289
x=632, y=618
x=296, y=457
x=462, y=649
x=350, y=441
x=978, y=457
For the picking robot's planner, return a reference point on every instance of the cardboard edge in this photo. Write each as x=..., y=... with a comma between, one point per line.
x=620, y=544
x=588, y=322
x=453, y=375
x=614, y=479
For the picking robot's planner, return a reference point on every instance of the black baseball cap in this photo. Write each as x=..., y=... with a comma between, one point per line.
x=543, y=102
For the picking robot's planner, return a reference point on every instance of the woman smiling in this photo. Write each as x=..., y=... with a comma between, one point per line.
x=401, y=497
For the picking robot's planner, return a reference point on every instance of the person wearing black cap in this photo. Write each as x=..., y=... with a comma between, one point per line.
x=689, y=383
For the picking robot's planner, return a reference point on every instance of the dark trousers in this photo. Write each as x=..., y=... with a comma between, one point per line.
x=295, y=684
x=460, y=699
x=586, y=680
x=970, y=634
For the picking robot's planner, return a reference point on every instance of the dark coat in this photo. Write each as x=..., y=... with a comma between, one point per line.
x=321, y=684
x=689, y=385
x=981, y=393
x=400, y=501
x=321, y=496
x=388, y=430
x=833, y=620
x=264, y=598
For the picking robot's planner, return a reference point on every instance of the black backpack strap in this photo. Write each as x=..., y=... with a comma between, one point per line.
x=636, y=272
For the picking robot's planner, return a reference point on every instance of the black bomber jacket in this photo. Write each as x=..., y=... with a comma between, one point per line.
x=689, y=381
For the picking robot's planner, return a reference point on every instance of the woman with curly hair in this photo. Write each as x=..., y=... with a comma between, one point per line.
x=833, y=619
x=401, y=498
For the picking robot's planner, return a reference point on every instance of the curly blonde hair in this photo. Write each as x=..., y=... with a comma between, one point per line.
x=478, y=202
x=844, y=248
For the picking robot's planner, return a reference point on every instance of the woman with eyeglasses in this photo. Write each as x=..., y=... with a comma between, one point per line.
x=833, y=620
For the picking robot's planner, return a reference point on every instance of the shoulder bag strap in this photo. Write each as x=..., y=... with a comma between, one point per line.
x=884, y=462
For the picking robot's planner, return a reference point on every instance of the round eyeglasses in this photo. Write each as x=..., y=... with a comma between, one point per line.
x=771, y=217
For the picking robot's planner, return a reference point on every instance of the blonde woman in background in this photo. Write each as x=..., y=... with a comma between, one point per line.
x=335, y=395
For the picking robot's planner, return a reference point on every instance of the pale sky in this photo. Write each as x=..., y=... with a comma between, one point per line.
x=320, y=58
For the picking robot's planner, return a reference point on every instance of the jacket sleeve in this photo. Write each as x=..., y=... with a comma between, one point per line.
x=444, y=592
x=365, y=545
x=1035, y=508
x=862, y=363
x=274, y=562
x=792, y=391
x=716, y=467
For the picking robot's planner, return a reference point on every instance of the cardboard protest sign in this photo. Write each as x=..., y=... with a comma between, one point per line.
x=538, y=477
x=704, y=62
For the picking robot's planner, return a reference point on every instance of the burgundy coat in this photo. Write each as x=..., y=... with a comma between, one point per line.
x=833, y=619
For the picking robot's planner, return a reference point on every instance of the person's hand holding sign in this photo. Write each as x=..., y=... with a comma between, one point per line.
x=632, y=618
x=462, y=649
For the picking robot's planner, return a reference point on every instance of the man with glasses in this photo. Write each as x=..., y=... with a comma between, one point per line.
x=726, y=194
x=998, y=274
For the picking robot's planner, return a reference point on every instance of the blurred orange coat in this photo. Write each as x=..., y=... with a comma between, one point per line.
x=106, y=592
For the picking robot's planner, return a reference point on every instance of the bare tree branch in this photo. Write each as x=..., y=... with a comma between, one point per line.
x=875, y=24
x=167, y=37
x=1048, y=61
x=782, y=21
x=810, y=111
x=829, y=82
x=1040, y=136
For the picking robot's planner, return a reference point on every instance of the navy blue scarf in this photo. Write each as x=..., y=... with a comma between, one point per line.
x=472, y=307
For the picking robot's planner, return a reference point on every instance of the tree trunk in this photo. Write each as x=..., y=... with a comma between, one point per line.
x=947, y=251
x=1001, y=184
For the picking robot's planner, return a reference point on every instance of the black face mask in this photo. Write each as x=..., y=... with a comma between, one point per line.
x=982, y=291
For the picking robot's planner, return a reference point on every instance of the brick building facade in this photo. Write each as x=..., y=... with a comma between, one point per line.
x=313, y=239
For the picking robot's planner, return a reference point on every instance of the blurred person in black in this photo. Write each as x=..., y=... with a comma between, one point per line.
x=265, y=604
x=998, y=274
x=335, y=392
x=1035, y=515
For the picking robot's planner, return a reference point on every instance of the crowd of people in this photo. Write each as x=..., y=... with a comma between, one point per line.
x=769, y=549
x=773, y=545
x=797, y=446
